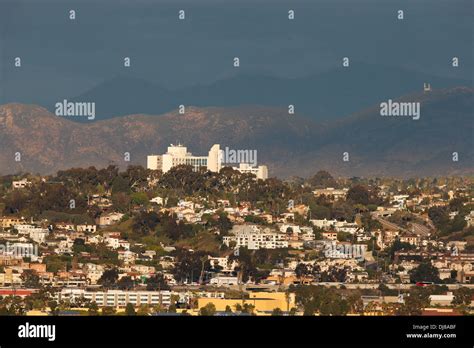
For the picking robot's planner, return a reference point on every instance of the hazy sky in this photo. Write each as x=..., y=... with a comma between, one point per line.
x=67, y=57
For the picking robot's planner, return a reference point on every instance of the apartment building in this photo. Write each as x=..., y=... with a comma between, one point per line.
x=37, y=234
x=254, y=238
x=7, y=222
x=116, y=298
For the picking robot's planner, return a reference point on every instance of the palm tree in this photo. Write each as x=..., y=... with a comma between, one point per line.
x=203, y=262
x=287, y=298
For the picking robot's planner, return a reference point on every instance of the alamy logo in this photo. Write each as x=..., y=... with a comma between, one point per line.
x=19, y=249
x=345, y=251
x=67, y=108
x=393, y=108
x=37, y=331
x=231, y=156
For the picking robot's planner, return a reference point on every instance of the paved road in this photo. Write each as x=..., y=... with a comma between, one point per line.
x=327, y=284
x=390, y=225
x=420, y=229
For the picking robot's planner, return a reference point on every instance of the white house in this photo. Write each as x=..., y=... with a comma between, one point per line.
x=223, y=280
x=86, y=228
x=21, y=183
x=157, y=200
x=110, y=219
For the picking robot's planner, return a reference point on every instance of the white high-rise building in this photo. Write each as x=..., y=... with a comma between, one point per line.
x=178, y=155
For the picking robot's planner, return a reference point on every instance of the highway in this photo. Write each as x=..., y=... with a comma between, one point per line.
x=269, y=287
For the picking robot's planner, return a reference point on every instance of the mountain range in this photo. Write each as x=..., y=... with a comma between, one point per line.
x=325, y=96
x=289, y=144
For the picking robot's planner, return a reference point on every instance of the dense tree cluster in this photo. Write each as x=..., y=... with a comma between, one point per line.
x=322, y=300
x=442, y=221
x=425, y=272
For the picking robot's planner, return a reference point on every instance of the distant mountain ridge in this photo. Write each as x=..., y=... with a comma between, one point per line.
x=288, y=144
x=333, y=94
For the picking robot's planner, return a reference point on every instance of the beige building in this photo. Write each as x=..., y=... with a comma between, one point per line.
x=7, y=222
x=262, y=301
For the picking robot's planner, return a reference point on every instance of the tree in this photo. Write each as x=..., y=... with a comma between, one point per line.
x=189, y=265
x=126, y=283
x=355, y=302
x=386, y=291
x=55, y=263
x=108, y=278
x=93, y=308
x=320, y=299
x=137, y=177
x=322, y=179
x=130, y=310
x=254, y=219
x=108, y=311
x=64, y=305
x=425, y=272
x=172, y=308
x=333, y=304
x=121, y=202
x=302, y=271
x=457, y=224
x=462, y=296
x=439, y=216
x=145, y=223
x=15, y=202
x=277, y=312
x=143, y=310
x=158, y=308
x=139, y=198
x=208, y=310
x=11, y=305
x=456, y=204
x=156, y=282
x=248, y=308
x=224, y=224
x=30, y=279
x=53, y=306
x=417, y=299
x=79, y=246
x=398, y=245
x=120, y=184
x=320, y=211
x=342, y=211
x=358, y=194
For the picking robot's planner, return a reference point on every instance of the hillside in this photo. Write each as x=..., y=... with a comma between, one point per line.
x=289, y=144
